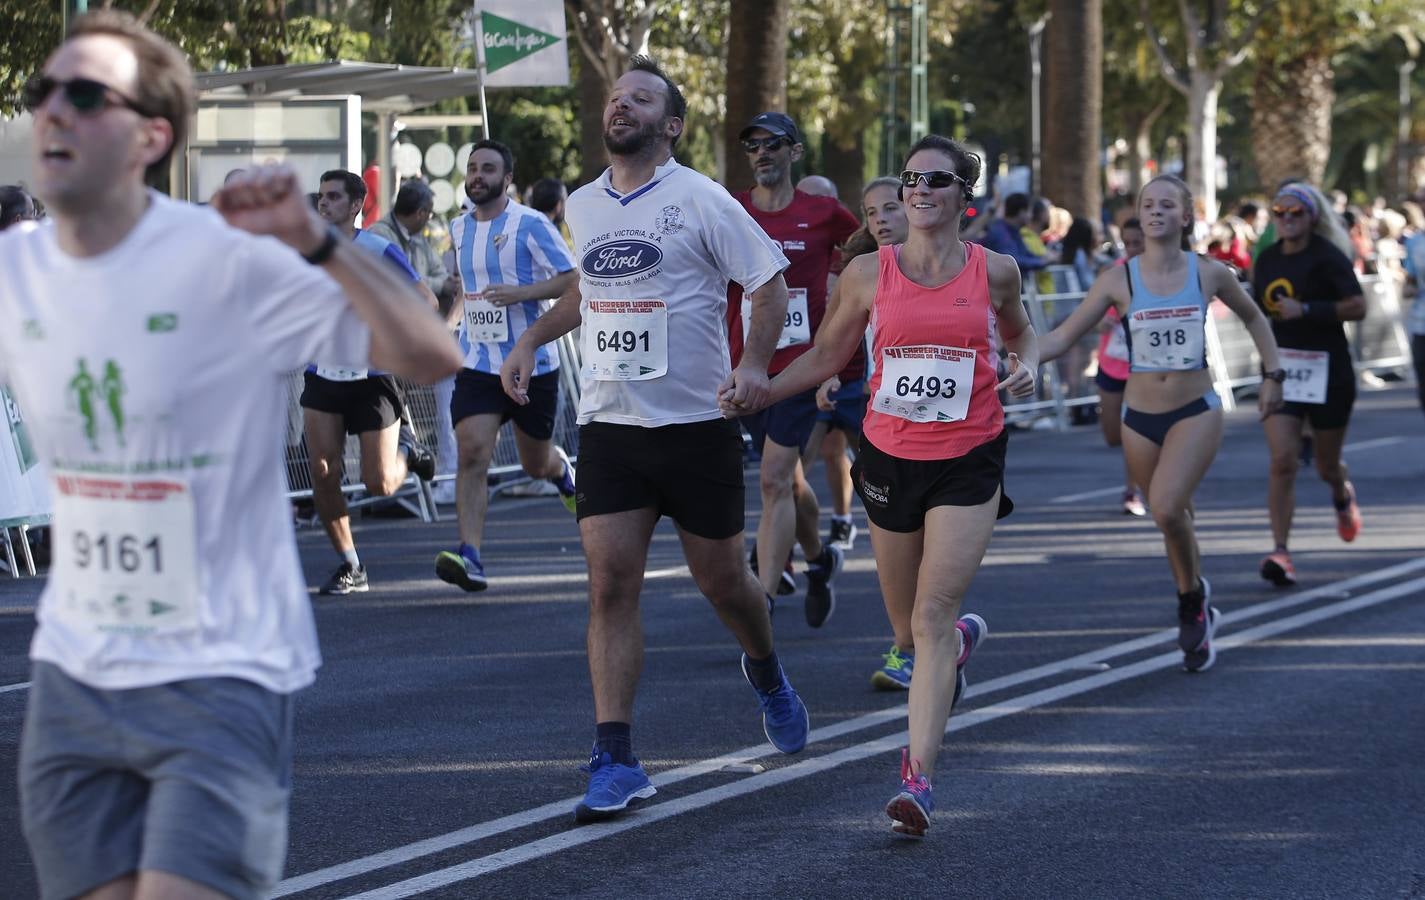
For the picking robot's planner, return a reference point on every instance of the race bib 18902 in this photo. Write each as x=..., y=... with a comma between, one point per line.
x=796, y=329
x=926, y=383
x=626, y=340
x=485, y=323
x=1306, y=373
x=125, y=552
x=1169, y=338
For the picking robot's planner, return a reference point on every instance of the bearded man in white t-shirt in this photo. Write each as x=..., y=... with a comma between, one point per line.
x=153, y=345
x=656, y=245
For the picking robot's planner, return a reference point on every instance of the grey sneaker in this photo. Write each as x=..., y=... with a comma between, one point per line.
x=347, y=579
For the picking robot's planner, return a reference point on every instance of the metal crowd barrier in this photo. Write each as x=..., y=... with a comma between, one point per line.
x=421, y=407
x=1379, y=343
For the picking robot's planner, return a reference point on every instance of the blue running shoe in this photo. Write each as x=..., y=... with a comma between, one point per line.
x=909, y=810
x=895, y=674
x=972, y=630
x=784, y=715
x=613, y=787
x=462, y=568
x=565, y=482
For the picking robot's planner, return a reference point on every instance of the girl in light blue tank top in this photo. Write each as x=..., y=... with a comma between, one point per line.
x=1168, y=448
x=1166, y=334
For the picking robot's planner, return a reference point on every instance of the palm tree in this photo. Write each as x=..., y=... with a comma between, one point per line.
x=757, y=73
x=1073, y=128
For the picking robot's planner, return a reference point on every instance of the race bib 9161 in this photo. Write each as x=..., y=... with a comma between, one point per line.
x=125, y=552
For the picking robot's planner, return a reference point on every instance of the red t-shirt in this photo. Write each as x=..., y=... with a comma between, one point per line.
x=809, y=230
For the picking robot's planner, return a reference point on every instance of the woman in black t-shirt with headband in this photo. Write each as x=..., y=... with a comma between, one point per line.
x=1305, y=284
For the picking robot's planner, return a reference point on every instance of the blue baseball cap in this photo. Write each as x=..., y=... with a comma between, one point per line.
x=776, y=123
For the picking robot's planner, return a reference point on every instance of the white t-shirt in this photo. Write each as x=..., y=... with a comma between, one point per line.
x=155, y=378
x=671, y=245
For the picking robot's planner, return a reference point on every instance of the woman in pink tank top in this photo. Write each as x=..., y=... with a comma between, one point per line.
x=931, y=464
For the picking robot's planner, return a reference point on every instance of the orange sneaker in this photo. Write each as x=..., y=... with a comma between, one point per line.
x=1348, y=516
x=1277, y=568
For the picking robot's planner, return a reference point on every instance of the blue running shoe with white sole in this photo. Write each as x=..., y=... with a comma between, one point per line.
x=462, y=568
x=973, y=630
x=613, y=788
x=909, y=810
x=784, y=716
x=895, y=674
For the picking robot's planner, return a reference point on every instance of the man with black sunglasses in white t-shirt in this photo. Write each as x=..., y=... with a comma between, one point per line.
x=152, y=355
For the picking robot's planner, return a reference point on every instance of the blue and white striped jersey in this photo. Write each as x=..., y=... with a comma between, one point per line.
x=519, y=246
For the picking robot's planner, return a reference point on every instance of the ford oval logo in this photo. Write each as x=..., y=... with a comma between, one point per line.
x=619, y=259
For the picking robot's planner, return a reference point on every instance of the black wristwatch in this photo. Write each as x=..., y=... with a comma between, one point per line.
x=1277, y=375
x=325, y=249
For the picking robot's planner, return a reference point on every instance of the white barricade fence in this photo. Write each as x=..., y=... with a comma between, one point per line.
x=24, y=486
x=1379, y=343
x=421, y=407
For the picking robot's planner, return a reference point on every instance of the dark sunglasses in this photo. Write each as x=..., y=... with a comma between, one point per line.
x=1288, y=212
x=84, y=94
x=937, y=178
x=775, y=143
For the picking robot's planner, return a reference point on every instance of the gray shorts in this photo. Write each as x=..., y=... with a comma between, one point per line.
x=190, y=778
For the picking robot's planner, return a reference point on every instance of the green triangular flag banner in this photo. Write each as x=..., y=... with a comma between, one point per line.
x=509, y=42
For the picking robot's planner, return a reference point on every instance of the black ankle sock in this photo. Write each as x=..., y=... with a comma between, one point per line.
x=766, y=673
x=615, y=739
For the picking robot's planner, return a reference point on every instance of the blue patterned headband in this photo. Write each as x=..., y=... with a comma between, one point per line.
x=1302, y=197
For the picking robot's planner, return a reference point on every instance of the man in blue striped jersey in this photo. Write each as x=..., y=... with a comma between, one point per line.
x=511, y=262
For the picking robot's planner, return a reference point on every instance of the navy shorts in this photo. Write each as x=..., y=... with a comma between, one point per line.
x=850, y=411
x=480, y=393
x=1108, y=384
x=787, y=423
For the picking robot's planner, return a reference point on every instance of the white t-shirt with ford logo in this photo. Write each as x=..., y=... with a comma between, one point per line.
x=653, y=270
x=154, y=378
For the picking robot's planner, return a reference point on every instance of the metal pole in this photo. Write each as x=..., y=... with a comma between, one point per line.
x=1402, y=134
x=68, y=10
x=1036, y=39
x=480, y=67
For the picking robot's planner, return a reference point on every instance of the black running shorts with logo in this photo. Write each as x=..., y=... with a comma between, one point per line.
x=366, y=404
x=480, y=393
x=898, y=492
x=1334, y=413
x=690, y=473
x=190, y=777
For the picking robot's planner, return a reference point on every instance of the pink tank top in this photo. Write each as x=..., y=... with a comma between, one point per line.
x=933, y=394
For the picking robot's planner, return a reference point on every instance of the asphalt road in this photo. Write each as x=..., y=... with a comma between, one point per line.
x=437, y=755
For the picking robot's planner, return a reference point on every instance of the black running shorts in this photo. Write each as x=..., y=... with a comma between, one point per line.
x=898, y=492
x=367, y=404
x=1328, y=416
x=691, y=473
x=480, y=393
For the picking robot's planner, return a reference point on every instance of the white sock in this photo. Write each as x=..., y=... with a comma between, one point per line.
x=351, y=557
x=846, y=518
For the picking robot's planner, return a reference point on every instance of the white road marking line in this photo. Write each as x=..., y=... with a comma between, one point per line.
x=483, y=830
x=1372, y=444
x=14, y=687
x=1101, y=492
x=588, y=834
x=1104, y=492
